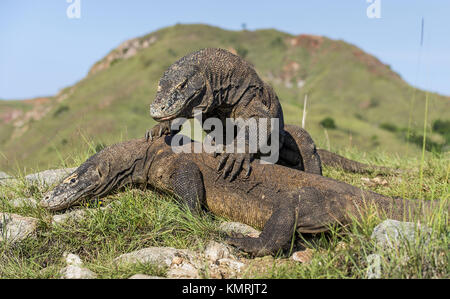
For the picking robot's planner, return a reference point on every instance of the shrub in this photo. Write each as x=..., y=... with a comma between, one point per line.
x=374, y=102
x=375, y=141
x=116, y=60
x=389, y=127
x=328, y=123
x=430, y=145
x=242, y=52
x=359, y=116
x=277, y=42
x=61, y=109
x=442, y=127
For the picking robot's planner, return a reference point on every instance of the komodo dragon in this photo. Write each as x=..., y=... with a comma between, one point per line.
x=274, y=198
x=223, y=85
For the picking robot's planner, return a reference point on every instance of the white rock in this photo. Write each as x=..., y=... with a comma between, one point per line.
x=74, y=269
x=215, y=251
x=6, y=179
x=232, y=264
x=159, y=256
x=373, y=266
x=184, y=270
x=393, y=234
x=23, y=202
x=143, y=276
x=4, y=175
x=304, y=256
x=14, y=228
x=73, y=215
x=238, y=227
x=73, y=259
x=49, y=177
x=76, y=272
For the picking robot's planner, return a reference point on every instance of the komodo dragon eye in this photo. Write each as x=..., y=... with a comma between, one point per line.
x=72, y=179
x=182, y=84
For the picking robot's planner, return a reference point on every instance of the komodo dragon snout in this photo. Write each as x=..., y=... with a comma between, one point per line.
x=180, y=90
x=84, y=182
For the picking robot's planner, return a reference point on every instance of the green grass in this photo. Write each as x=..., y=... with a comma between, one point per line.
x=143, y=218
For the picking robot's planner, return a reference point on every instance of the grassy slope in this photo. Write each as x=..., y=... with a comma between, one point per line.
x=112, y=105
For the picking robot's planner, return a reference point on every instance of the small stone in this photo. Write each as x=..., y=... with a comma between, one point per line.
x=239, y=228
x=304, y=256
x=380, y=181
x=231, y=263
x=215, y=251
x=177, y=260
x=4, y=175
x=75, y=215
x=185, y=270
x=14, y=228
x=23, y=202
x=6, y=179
x=49, y=177
x=143, y=276
x=393, y=234
x=158, y=256
x=72, y=259
x=74, y=269
x=377, y=181
x=254, y=235
x=373, y=266
x=75, y=272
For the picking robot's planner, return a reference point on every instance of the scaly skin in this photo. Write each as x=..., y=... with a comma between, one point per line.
x=274, y=198
x=223, y=85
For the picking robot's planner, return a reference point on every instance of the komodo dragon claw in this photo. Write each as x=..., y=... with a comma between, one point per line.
x=233, y=164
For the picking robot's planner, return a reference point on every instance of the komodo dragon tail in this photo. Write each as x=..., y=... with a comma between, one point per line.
x=334, y=160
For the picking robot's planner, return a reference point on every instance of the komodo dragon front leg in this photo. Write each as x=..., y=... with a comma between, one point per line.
x=187, y=183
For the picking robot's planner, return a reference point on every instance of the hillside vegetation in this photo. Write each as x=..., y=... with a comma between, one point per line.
x=370, y=106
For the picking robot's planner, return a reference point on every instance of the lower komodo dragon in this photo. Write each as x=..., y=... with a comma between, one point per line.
x=274, y=198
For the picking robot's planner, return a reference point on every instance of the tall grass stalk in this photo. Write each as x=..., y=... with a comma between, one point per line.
x=304, y=111
x=422, y=160
x=413, y=99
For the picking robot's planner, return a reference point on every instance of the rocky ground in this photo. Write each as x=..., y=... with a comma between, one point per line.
x=215, y=260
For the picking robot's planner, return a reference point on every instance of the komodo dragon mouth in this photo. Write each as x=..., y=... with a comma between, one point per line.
x=88, y=180
x=67, y=193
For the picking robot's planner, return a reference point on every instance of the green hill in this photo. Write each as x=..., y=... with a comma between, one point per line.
x=369, y=104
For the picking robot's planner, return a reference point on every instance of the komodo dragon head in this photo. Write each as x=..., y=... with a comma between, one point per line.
x=113, y=167
x=180, y=90
x=86, y=181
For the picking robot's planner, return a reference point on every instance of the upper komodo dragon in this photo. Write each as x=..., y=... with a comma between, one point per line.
x=275, y=198
x=223, y=85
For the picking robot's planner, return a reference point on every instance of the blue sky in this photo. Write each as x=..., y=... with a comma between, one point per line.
x=42, y=50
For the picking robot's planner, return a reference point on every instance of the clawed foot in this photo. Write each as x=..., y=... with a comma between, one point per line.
x=233, y=164
x=158, y=130
x=253, y=246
